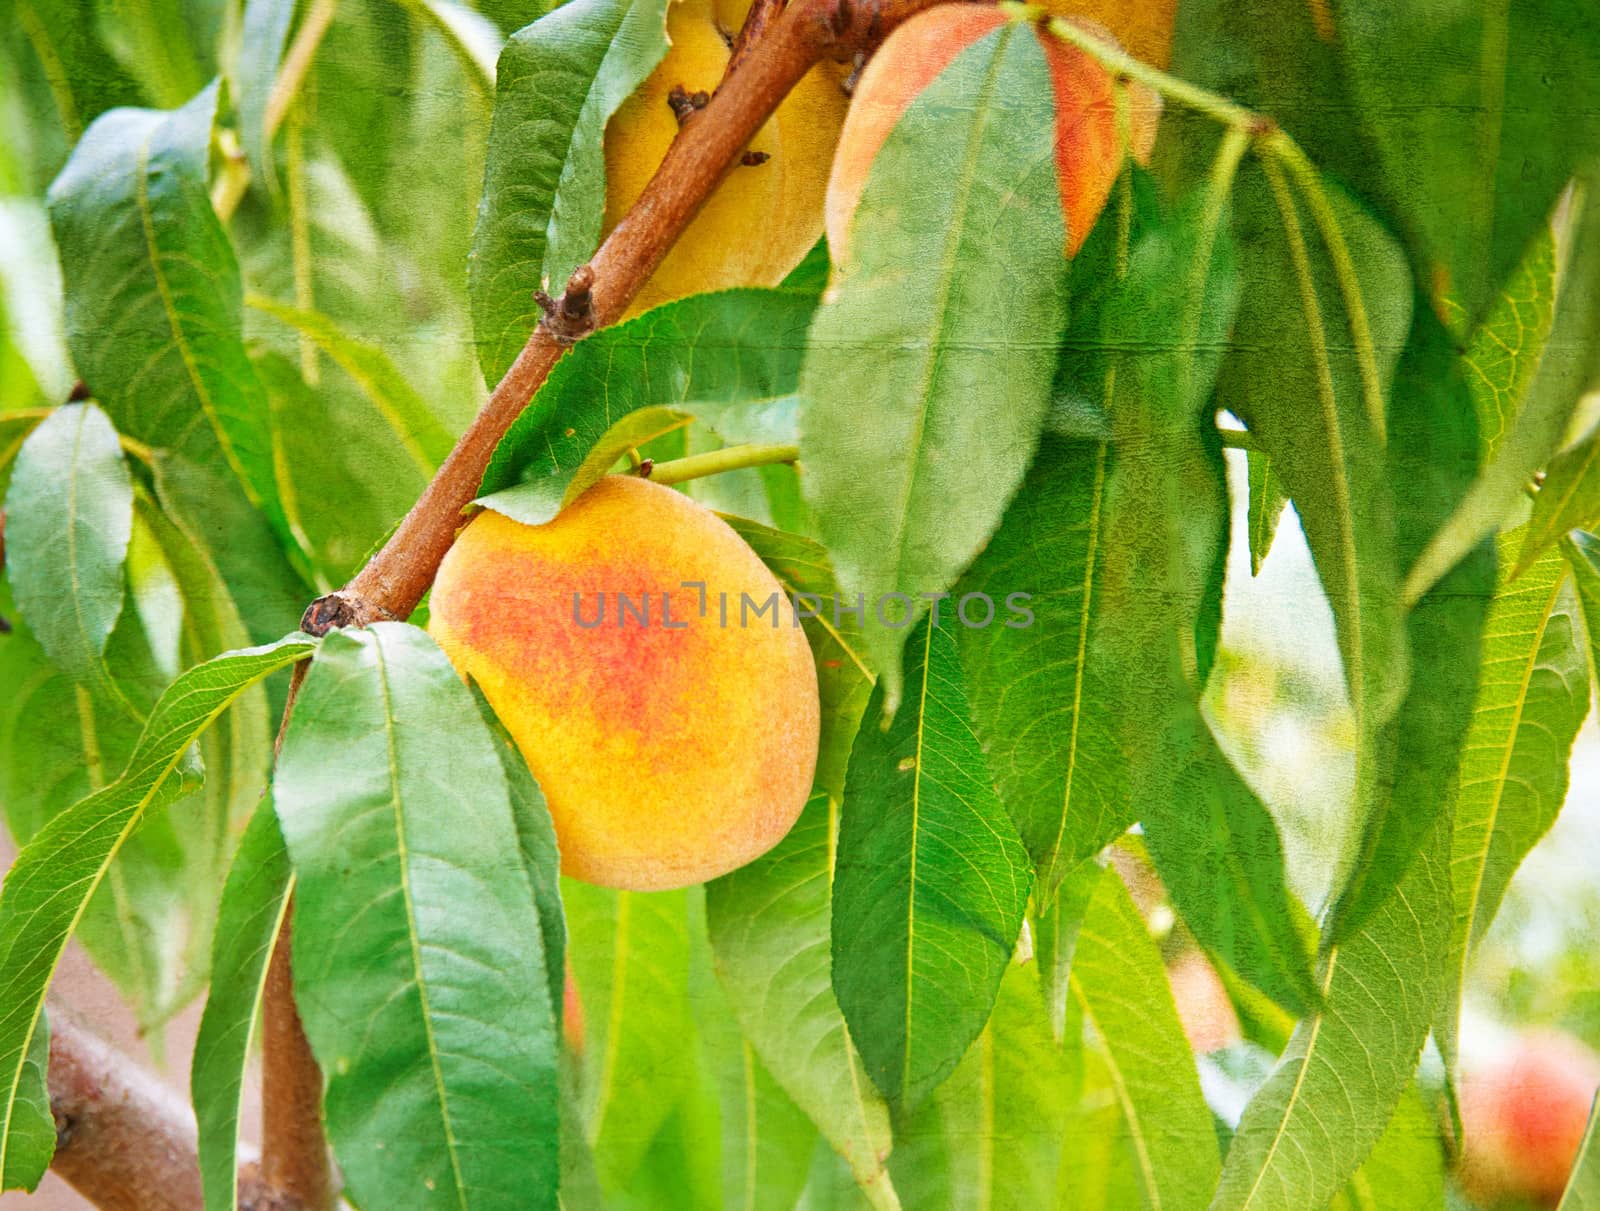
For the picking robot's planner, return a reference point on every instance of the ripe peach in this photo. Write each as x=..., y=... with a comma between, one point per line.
x=1088, y=147
x=1524, y=1116
x=764, y=218
x=672, y=728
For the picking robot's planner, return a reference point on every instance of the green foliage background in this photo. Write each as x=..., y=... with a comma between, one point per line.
x=284, y=244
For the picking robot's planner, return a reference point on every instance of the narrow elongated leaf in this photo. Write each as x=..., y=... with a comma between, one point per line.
x=419, y=969
x=931, y=883
x=152, y=289
x=414, y=424
x=1504, y=349
x=1055, y=921
x=254, y=901
x=32, y=1143
x=1569, y=499
x=1213, y=841
x=1472, y=119
x=261, y=42
x=1533, y=696
x=1120, y=985
x=1331, y=1094
x=990, y=1136
x=1478, y=117
x=1569, y=366
x=1040, y=704
x=921, y=409
x=558, y=81
x=1313, y=354
x=60, y=741
x=1432, y=455
x=769, y=928
x=765, y=1139
x=47, y=889
x=86, y=78
x=70, y=515
x=710, y=356
x=541, y=857
x=630, y=951
x=1406, y=1169
x=1583, y=1188
x=1267, y=500
x=1582, y=551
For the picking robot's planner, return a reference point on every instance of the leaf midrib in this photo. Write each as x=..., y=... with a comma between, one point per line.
x=403, y=855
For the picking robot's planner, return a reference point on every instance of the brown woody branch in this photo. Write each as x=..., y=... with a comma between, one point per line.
x=125, y=1141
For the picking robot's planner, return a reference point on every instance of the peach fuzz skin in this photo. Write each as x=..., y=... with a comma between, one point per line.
x=1088, y=149
x=668, y=756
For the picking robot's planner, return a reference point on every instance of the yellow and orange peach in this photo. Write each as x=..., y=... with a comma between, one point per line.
x=763, y=219
x=1088, y=143
x=673, y=742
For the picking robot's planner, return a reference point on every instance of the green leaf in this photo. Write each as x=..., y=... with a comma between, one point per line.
x=152, y=290
x=769, y=927
x=1431, y=457
x=844, y=680
x=922, y=406
x=59, y=742
x=50, y=885
x=1504, y=349
x=1056, y=920
x=630, y=953
x=255, y=900
x=1478, y=117
x=765, y=1139
x=990, y=1136
x=413, y=423
x=1569, y=366
x=1582, y=551
x=84, y=78
x=541, y=857
x=931, y=882
x=713, y=356
x=70, y=516
x=33, y=1132
x=1120, y=985
x=1569, y=499
x=419, y=968
x=1040, y=702
x=1533, y=695
x=1471, y=118
x=1583, y=1187
x=261, y=42
x=1406, y=1169
x=345, y=477
x=1267, y=499
x=1213, y=841
x=1309, y=368
x=558, y=81
x=1331, y=1094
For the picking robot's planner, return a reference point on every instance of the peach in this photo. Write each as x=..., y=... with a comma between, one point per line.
x=672, y=728
x=1088, y=145
x=1524, y=1117
x=763, y=219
